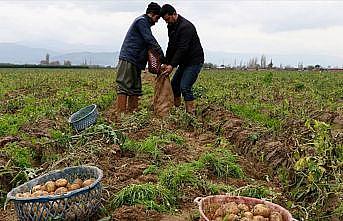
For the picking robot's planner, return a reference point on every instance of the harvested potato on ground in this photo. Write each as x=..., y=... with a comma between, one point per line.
x=74, y=186
x=88, y=182
x=50, y=186
x=243, y=207
x=246, y=219
x=231, y=217
x=231, y=207
x=61, y=190
x=61, y=183
x=275, y=216
x=262, y=210
x=259, y=218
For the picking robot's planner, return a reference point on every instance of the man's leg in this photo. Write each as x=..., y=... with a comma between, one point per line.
x=121, y=103
x=175, y=83
x=189, y=77
x=135, y=91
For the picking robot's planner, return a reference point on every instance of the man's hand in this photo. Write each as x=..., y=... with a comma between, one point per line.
x=167, y=70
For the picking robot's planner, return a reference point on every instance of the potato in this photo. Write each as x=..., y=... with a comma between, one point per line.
x=259, y=218
x=74, y=186
x=245, y=219
x=262, y=210
x=19, y=195
x=61, y=183
x=220, y=212
x=27, y=195
x=50, y=186
x=275, y=216
x=248, y=215
x=61, y=190
x=243, y=207
x=231, y=217
x=78, y=181
x=232, y=208
x=37, y=188
x=88, y=182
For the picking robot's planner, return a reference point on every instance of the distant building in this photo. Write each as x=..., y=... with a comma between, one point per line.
x=46, y=61
x=67, y=63
x=54, y=63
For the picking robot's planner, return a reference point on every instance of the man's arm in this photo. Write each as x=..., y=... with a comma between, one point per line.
x=144, y=29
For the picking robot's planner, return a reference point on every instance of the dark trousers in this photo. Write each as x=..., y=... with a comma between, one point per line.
x=183, y=80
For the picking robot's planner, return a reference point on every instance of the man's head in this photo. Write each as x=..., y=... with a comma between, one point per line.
x=153, y=11
x=168, y=13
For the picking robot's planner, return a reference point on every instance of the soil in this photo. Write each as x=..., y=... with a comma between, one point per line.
x=124, y=168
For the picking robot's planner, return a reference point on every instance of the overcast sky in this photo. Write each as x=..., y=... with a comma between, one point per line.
x=269, y=27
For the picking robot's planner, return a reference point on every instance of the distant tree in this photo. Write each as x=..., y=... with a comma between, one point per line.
x=310, y=67
x=209, y=65
x=270, y=65
x=263, y=61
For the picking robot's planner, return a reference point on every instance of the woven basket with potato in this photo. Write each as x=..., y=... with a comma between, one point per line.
x=73, y=193
x=225, y=207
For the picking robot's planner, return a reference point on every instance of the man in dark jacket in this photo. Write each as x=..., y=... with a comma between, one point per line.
x=133, y=58
x=185, y=52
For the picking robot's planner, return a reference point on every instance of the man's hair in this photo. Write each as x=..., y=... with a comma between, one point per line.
x=153, y=8
x=167, y=9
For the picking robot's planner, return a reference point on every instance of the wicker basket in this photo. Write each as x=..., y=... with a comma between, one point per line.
x=78, y=204
x=208, y=205
x=154, y=63
x=84, y=117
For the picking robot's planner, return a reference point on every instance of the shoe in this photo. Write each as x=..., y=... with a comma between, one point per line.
x=132, y=104
x=177, y=101
x=190, y=107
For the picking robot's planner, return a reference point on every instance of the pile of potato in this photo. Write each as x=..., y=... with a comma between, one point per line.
x=58, y=187
x=242, y=212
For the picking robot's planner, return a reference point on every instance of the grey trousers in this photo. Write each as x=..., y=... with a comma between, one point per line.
x=128, y=80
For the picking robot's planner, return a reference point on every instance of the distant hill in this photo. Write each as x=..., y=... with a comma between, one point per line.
x=92, y=58
x=20, y=54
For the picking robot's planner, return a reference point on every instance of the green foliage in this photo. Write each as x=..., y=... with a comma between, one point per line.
x=218, y=188
x=153, y=144
x=177, y=177
x=21, y=156
x=318, y=168
x=221, y=163
x=152, y=169
x=255, y=191
x=154, y=197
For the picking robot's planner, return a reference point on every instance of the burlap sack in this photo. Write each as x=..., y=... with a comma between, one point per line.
x=163, y=97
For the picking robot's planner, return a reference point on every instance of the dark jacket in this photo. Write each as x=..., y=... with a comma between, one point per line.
x=137, y=41
x=184, y=47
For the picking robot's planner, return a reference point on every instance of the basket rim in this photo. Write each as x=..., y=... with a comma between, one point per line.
x=70, y=118
x=11, y=196
x=200, y=200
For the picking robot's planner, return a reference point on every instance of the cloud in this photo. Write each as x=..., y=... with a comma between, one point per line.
x=233, y=26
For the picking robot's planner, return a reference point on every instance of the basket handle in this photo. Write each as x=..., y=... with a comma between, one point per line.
x=5, y=204
x=197, y=200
